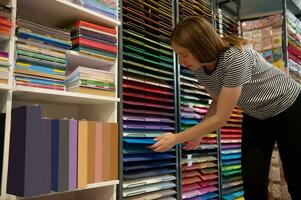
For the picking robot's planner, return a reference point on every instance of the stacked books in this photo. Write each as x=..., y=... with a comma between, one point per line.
x=105, y=7
x=41, y=60
x=94, y=40
x=98, y=45
x=5, y=22
x=5, y=30
x=91, y=81
x=3, y=67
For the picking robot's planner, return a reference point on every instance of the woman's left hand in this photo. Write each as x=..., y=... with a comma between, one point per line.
x=164, y=142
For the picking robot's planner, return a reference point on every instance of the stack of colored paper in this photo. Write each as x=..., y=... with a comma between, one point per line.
x=94, y=40
x=137, y=158
x=91, y=81
x=199, y=168
x=5, y=22
x=41, y=58
x=148, y=100
x=3, y=67
x=231, y=156
x=5, y=31
x=105, y=7
x=199, y=175
x=194, y=100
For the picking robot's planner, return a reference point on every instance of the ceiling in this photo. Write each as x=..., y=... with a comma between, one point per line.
x=257, y=8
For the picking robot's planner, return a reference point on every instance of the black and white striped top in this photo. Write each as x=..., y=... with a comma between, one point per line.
x=266, y=91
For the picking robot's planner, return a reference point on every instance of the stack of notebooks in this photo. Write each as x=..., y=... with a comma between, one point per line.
x=231, y=157
x=148, y=100
x=41, y=60
x=5, y=22
x=94, y=40
x=91, y=81
x=59, y=154
x=107, y=8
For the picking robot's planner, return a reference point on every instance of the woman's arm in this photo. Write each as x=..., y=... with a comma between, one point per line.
x=195, y=143
x=224, y=106
x=212, y=107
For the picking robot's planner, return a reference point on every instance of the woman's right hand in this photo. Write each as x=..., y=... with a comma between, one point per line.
x=193, y=144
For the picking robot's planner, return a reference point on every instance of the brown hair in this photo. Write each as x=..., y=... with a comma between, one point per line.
x=201, y=39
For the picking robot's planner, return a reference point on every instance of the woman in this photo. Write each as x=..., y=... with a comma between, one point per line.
x=235, y=76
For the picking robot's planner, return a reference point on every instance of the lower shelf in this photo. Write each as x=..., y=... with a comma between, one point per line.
x=52, y=195
x=4, y=86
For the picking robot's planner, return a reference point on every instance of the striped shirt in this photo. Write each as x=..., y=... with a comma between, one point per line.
x=266, y=91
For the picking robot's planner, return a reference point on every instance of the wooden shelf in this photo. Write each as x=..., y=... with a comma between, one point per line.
x=90, y=186
x=56, y=96
x=75, y=59
x=62, y=13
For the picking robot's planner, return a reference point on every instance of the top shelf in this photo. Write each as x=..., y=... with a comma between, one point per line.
x=60, y=13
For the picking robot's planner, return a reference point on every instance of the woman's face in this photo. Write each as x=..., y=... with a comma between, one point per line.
x=186, y=58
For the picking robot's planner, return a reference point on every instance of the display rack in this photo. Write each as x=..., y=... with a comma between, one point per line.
x=148, y=100
x=198, y=168
x=228, y=15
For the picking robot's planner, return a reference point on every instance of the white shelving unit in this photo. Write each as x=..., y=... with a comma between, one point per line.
x=4, y=87
x=40, y=94
x=6, y=98
x=58, y=104
x=62, y=13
